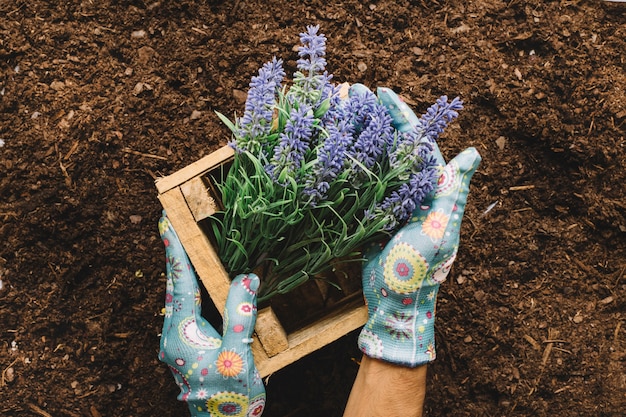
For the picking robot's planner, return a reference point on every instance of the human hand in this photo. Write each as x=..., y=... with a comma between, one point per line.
x=401, y=280
x=216, y=375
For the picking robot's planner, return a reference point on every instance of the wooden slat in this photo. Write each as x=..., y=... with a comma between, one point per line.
x=200, y=202
x=270, y=332
x=198, y=247
x=194, y=169
x=311, y=338
x=329, y=328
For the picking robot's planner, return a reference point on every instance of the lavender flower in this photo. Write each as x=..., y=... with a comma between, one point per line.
x=417, y=165
x=313, y=47
x=400, y=204
x=293, y=144
x=408, y=148
x=358, y=109
x=375, y=137
x=256, y=121
x=316, y=176
x=310, y=82
x=335, y=111
x=330, y=161
x=438, y=116
x=427, y=130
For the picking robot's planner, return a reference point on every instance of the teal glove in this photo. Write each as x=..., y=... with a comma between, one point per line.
x=401, y=280
x=216, y=375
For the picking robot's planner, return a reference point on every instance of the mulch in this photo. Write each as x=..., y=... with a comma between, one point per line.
x=98, y=99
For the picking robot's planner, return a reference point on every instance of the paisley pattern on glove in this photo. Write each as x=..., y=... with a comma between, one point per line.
x=191, y=335
x=449, y=179
x=227, y=404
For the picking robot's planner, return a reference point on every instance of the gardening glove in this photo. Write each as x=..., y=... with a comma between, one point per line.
x=216, y=374
x=401, y=280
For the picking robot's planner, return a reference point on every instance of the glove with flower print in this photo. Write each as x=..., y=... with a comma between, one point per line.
x=216, y=374
x=401, y=279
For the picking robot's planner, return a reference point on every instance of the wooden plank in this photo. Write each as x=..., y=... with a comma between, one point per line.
x=311, y=338
x=194, y=169
x=201, y=203
x=270, y=332
x=331, y=327
x=198, y=247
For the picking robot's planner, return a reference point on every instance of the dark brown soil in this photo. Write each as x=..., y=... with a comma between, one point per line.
x=98, y=98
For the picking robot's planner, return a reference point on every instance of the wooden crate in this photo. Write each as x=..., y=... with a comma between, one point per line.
x=189, y=197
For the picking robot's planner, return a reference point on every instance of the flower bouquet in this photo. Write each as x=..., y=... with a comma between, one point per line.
x=318, y=174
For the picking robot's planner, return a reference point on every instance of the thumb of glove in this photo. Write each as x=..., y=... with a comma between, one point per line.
x=241, y=311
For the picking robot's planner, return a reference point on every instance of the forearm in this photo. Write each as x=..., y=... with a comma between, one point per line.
x=384, y=389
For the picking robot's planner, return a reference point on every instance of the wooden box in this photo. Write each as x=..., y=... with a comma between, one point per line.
x=189, y=198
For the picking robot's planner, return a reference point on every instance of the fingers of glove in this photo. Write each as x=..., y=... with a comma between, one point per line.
x=241, y=310
x=440, y=218
x=434, y=229
x=182, y=302
x=403, y=118
x=358, y=89
x=453, y=184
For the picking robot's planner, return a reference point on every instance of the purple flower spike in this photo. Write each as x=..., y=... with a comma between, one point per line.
x=311, y=83
x=401, y=203
x=358, y=109
x=374, y=138
x=312, y=51
x=293, y=144
x=439, y=116
x=330, y=161
x=256, y=121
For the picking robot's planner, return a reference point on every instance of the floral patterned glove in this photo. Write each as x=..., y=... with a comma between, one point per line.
x=401, y=280
x=216, y=375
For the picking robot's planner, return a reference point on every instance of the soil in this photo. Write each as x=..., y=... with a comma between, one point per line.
x=97, y=99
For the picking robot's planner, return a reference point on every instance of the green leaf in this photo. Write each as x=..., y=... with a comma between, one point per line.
x=322, y=109
x=227, y=122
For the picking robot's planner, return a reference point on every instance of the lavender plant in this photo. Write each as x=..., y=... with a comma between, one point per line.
x=316, y=176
